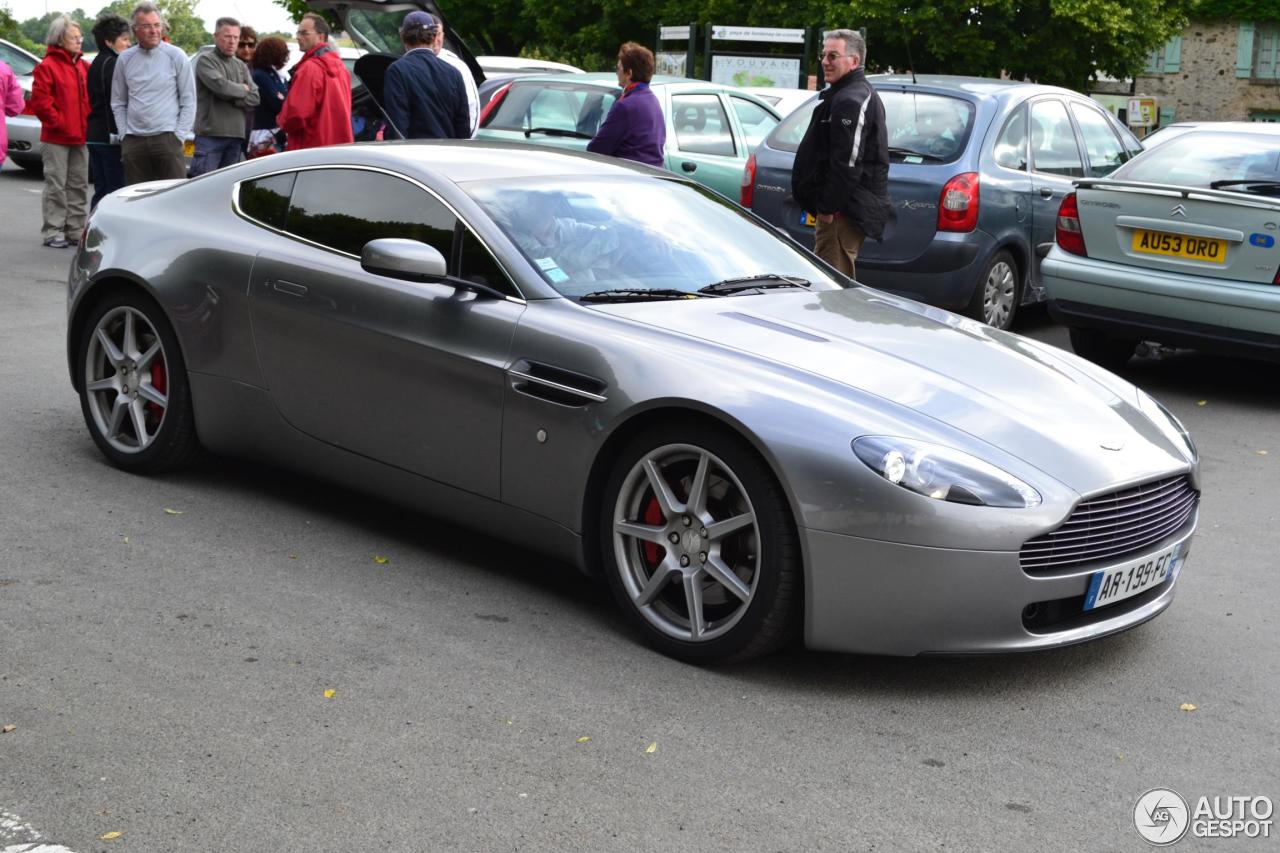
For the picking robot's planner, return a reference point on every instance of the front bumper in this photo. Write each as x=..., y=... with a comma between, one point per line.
x=875, y=597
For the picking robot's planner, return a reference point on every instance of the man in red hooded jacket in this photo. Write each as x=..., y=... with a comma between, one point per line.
x=317, y=110
x=60, y=99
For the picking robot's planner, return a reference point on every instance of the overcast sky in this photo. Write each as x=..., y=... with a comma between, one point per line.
x=262, y=15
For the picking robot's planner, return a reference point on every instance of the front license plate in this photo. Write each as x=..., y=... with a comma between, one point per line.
x=807, y=219
x=1180, y=246
x=1111, y=585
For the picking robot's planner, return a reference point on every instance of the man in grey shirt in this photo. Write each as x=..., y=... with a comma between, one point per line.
x=153, y=97
x=223, y=90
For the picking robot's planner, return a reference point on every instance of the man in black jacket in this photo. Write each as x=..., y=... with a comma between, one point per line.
x=841, y=170
x=111, y=32
x=423, y=94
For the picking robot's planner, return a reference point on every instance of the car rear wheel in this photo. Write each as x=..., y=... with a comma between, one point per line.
x=1101, y=349
x=995, y=298
x=133, y=386
x=699, y=546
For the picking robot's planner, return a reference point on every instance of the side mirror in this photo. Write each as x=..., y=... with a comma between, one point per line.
x=406, y=259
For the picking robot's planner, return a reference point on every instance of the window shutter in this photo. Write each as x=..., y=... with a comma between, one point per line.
x=1244, y=50
x=1166, y=115
x=1153, y=63
x=1268, y=41
x=1173, y=54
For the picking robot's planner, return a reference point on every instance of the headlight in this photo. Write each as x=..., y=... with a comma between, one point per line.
x=942, y=473
x=1182, y=431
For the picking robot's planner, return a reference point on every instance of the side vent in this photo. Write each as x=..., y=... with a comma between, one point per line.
x=555, y=384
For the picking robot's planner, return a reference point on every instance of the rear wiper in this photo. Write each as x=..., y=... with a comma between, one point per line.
x=1259, y=184
x=638, y=294
x=763, y=281
x=555, y=131
x=911, y=152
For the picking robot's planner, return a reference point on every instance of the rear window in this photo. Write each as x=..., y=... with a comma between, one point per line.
x=553, y=106
x=1244, y=162
x=933, y=128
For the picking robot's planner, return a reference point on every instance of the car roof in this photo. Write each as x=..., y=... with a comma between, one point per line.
x=1266, y=127
x=987, y=86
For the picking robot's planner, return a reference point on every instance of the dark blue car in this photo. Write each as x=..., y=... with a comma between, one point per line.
x=977, y=171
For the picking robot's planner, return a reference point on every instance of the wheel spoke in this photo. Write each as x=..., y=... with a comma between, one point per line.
x=144, y=360
x=118, y=411
x=139, y=416
x=654, y=585
x=148, y=392
x=693, y=599
x=643, y=532
x=109, y=348
x=726, y=577
x=666, y=498
x=721, y=529
x=697, y=503
x=110, y=383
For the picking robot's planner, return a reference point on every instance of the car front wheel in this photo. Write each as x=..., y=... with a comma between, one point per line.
x=995, y=298
x=699, y=546
x=133, y=386
x=1101, y=349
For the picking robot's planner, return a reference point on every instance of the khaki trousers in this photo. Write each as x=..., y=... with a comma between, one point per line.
x=65, y=201
x=837, y=242
x=152, y=158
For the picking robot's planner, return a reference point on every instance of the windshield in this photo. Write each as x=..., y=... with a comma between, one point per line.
x=553, y=106
x=1205, y=158
x=599, y=234
x=935, y=128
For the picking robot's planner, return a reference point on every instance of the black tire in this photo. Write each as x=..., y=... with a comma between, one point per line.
x=1101, y=349
x=134, y=396
x=759, y=559
x=997, y=292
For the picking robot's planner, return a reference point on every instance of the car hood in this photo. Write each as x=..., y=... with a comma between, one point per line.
x=1071, y=420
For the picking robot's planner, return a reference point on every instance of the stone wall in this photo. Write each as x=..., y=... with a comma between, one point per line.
x=1206, y=88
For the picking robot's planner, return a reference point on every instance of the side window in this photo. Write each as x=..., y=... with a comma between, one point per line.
x=755, y=120
x=19, y=63
x=267, y=199
x=345, y=208
x=702, y=127
x=476, y=264
x=1053, y=142
x=1011, y=147
x=1100, y=142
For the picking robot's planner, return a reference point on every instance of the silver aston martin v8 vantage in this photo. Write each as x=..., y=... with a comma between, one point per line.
x=624, y=369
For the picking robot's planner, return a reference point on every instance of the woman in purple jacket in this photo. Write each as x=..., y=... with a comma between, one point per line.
x=635, y=128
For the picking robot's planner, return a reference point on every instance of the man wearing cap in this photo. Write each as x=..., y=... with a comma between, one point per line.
x=317, y=110
x=424, y=96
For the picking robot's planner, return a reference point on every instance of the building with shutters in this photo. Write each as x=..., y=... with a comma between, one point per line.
x=1217, y=70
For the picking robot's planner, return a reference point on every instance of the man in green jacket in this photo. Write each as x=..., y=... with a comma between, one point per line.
x=224, y=88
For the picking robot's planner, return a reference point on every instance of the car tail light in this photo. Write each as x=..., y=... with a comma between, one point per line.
x=747, y=192
x=958, y=204
x=492, y=106
x=1068, y=234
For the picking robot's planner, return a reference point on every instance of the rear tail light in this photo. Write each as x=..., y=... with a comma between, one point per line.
x=491, y=107
x=747, y=192
x=1068, y=234
x=958, y=204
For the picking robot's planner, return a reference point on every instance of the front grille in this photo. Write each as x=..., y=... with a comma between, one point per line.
x=1110, y=527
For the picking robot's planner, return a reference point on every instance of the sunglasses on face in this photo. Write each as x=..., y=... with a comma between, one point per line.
x=248, y=44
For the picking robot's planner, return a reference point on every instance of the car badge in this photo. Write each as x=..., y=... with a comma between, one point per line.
x=1262, y=241
x=1178, y=210
x=1112, y=444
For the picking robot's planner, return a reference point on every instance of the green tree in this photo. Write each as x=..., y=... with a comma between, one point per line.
x=11, y=30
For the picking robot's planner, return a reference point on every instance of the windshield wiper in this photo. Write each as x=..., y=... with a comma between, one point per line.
x=638, y=294
x=763, y=281
x=555, y=131
x=1258, y=184
x=911, y=152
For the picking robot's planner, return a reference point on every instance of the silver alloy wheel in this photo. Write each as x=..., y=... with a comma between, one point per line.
x=691, y=565
x=126, y=379
x=998, y=292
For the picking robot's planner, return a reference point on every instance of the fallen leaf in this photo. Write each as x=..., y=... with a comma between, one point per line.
x=125, y=540
x=293, y=556
x=110, y=836
x=380, y=560
x=583, y=739
x=509, y=722
x=329, y=694
x=1203, y=403
x=651, y=748
x=1262, y=453
x=168, y=511
x=8, y=727
x=1186, y=706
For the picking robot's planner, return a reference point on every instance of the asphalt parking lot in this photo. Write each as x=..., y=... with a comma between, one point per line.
x=239, y=658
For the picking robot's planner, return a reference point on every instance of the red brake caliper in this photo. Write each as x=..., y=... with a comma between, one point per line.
x=160, y=383
x=652, y=515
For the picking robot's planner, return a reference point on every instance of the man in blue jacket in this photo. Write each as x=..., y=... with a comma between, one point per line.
x=635, y=128
x=423, y=94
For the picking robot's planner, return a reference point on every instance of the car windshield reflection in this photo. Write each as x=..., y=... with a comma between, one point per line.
x=637, y=234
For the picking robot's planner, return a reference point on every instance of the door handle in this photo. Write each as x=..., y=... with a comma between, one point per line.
x=689, y=167
x=289, y=287
x=1046, y=192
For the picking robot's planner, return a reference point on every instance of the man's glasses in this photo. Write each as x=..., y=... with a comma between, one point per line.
x=831, y=57
x=148, y=26
x=306, y=32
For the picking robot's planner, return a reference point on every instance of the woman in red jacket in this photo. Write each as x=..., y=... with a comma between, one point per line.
x=60, y=99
